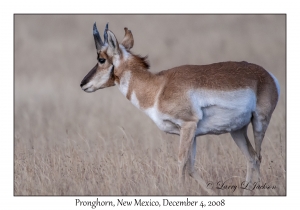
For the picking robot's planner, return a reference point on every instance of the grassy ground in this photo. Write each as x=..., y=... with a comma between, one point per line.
x=68, y=142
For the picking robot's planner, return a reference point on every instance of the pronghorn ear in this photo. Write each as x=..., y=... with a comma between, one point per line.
x=128, y=39
x=113, y=45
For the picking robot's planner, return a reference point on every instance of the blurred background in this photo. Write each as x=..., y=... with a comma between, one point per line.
x=68, y=142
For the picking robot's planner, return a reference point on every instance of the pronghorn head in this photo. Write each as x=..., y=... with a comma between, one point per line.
x=109, y=56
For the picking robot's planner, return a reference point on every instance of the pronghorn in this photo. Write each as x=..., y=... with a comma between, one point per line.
x=190, y=100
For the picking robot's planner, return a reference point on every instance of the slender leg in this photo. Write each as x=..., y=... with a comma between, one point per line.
x=193, y=173
x=191, y=161
x=260, y=125
x=187, y=153
x=187, y=134
x=241, y=139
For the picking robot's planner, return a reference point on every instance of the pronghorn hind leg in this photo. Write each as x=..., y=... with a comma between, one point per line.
x=260, y=124
x=253, y=164
x=187, y=153
x=191, y=159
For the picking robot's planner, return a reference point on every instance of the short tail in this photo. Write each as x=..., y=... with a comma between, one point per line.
x=277, y=85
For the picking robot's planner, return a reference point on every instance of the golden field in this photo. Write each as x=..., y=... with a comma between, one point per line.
x=68, y=142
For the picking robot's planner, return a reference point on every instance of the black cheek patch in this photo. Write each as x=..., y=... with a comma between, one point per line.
x=112, y=71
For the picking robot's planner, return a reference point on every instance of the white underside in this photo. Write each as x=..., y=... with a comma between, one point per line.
x=218, y=111
x=223, y=111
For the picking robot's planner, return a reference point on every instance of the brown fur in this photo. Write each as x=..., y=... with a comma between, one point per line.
x=169, y=89
x=145, y=84
x=175, y=82
x=225, y=76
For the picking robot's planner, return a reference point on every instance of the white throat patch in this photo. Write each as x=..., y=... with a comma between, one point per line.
x=124, y=83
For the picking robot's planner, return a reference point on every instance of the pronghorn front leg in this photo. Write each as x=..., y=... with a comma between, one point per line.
x=187, y=153
x=187, y=134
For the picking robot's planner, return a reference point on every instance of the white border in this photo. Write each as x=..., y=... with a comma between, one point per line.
x=154, y=6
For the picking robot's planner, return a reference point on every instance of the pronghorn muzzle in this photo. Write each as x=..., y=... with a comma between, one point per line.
x=88, y=77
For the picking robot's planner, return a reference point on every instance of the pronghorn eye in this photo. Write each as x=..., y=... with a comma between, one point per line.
x=101, y=60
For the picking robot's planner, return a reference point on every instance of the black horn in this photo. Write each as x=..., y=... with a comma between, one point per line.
x=97, y=38
x=105, y=33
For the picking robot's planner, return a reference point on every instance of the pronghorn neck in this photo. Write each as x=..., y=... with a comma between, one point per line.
x=136, y=83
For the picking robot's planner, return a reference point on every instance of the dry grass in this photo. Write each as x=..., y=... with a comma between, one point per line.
x=68, y=142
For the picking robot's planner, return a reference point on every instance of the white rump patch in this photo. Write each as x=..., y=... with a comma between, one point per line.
x=276, y=83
